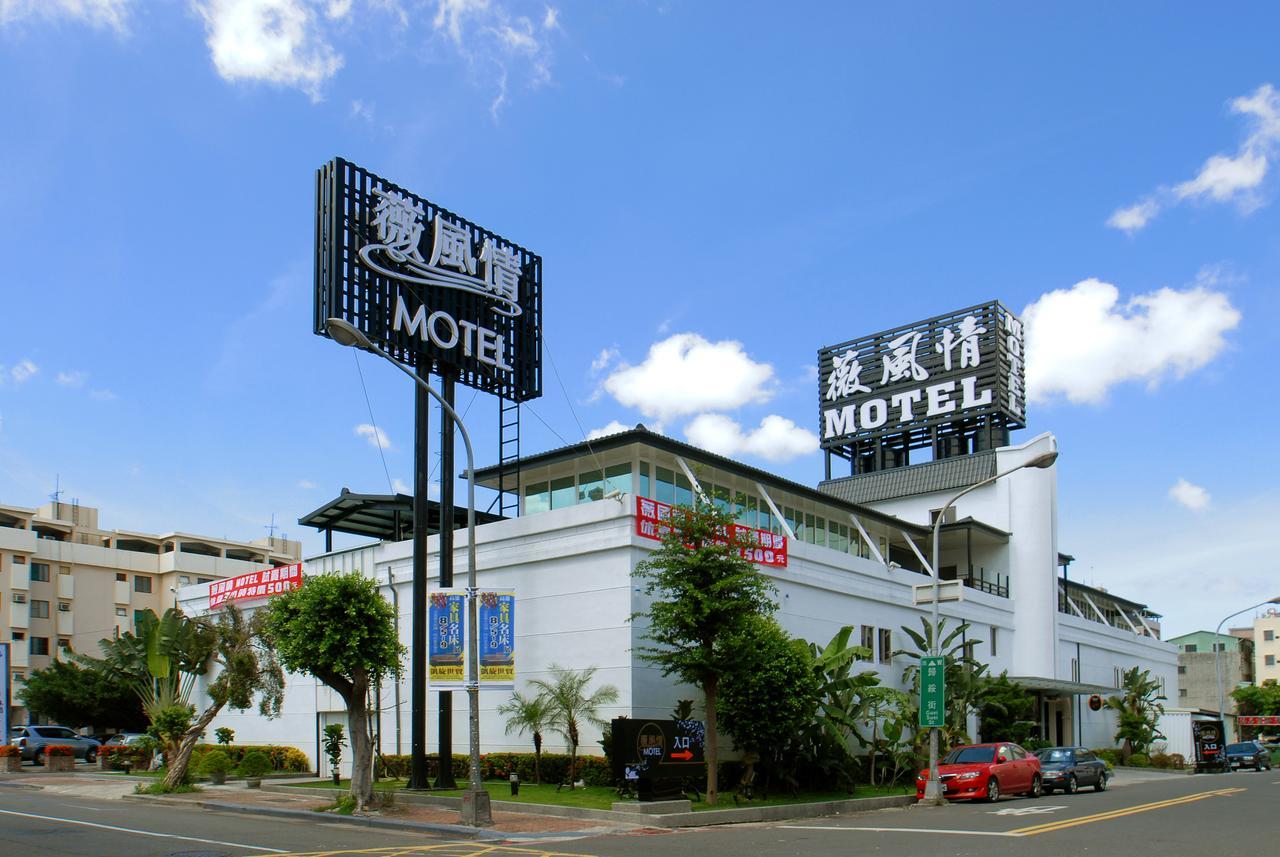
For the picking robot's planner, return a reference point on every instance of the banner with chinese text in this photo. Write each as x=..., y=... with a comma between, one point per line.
x=497, y=610
x=446, y=643
x=764, y=547
x=255, y=584
x=4, y=693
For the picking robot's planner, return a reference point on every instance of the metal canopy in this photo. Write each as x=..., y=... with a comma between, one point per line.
x=1060, y=685
x=387, y=517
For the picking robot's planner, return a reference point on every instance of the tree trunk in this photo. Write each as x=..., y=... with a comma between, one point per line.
x=537, y=758
x=573, y=753
x=361, y=746
x=713, y=773
x=874, y=739
x=176, y=761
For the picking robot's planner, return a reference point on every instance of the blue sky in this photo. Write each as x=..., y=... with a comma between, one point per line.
x=717, y=190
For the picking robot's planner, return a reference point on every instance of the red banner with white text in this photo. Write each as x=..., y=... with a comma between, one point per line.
x=765, y=548
x=255, y=584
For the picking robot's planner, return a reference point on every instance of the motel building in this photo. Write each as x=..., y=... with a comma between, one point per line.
x=853, y=550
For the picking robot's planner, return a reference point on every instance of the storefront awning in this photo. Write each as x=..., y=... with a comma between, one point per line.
x=1060, y=686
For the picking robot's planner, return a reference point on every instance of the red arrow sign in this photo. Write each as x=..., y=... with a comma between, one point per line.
x=686, y=755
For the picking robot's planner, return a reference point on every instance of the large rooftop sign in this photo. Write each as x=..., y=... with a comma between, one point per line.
x=924, y=379
x=427, y=286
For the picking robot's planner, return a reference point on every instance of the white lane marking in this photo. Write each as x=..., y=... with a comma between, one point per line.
x=900, y=830
x=1026, y=810
x=90, y=808
x=142, y=832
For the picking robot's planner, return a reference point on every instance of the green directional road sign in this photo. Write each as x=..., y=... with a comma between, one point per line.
x=933, y=692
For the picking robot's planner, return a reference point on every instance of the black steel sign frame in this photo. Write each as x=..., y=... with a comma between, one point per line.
x=657, y=750
x=911, y=384
x=433, y=289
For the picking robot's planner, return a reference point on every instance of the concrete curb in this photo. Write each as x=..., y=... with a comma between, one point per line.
x=704, y=818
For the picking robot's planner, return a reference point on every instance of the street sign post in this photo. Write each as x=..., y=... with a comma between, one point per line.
x=933, y=692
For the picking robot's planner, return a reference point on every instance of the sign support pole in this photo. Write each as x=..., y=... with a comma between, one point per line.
x=418, y=670
x=444, y=774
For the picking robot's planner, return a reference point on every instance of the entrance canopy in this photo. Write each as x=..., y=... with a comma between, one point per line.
x=1060, y=686
x=387, y=517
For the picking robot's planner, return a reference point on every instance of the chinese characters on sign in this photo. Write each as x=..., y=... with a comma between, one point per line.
x=951, y=368
x=255, y=584
x=497, y=611
x=447, y=631
x=764, y=548
x=933, y=692
x=4, y=693
x=426, y=285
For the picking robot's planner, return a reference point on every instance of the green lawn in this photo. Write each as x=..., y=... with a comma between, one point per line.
x=603, y=797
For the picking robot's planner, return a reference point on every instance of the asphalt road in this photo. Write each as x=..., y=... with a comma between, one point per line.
x=1170, y=816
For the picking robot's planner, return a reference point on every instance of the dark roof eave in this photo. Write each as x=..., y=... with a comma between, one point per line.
x=641, y=435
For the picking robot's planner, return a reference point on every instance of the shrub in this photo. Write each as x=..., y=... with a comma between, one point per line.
x=281, y=758
x=225, y=735
x=59, y=750
x=215, y=762
x=1139, y=760
x=1110, y=755
x=255, y=764
x=8, y=750
x=137, y=757
x=1168, y=760
x=498, y=766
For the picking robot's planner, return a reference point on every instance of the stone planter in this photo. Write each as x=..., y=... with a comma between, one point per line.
x=218, y=778
x=253, y=782
x=10, y=764
x=60, y=763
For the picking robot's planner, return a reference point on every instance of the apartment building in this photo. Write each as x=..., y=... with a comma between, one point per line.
x=1266, y=646
x=1204, y=660
x=65, y=583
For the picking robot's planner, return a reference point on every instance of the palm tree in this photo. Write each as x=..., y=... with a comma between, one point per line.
x=566, y=695
x=1138, y=711
x=532, y=715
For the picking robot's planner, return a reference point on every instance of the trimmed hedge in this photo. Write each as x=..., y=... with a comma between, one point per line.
x=498, y=766
x=287, y=759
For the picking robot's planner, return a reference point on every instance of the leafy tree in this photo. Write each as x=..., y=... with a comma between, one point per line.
x=1262, y=700
x=840, y=699
x=1007, y=711
x=64, y=692
x=225, y=735
x=1138, y=710
x=704, y=593
x=532, y=715
x=771, y=698
x=885, y=712
x=339, y=629
x=569, y=705
x=167, y=654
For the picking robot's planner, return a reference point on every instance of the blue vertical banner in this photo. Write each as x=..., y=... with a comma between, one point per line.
x=5, y=675
x=497, y=639
x=447, y=618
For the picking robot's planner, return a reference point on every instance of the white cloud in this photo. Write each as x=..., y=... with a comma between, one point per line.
x=96, y=13
x=685, y=374
x=103, y=395
x=338, y=9
x=71, y=379
x=363, y=110
x=1192, y=496
x=502, y=45
x=374, y=435
x=603, y=360
x=775, y=439
x=612, y=428
x=1081, y=341
x=277, y=41
x=307, y=485
x=1222, y=178
x=23, y=372
x=551, y=20
x=398, y=486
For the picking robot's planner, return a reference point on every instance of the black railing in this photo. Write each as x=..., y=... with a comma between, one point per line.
x=1000, y=589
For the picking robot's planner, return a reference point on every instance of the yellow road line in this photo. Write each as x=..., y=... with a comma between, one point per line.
x=1120, y=813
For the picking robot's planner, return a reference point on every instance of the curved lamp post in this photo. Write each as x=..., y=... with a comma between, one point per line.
x=1217, y=660
x=933, y=794
x=345, y=333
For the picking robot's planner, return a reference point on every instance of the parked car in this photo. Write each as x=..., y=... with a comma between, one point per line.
x=32, y=740
x=986, y=771
x=123, y=739
x=1248, y=754
x=1069, y=768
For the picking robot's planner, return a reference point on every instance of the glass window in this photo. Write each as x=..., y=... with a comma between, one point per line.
x=1268, y=635
x=886, y=645
x=39, y=645
x=820, y=532
x=20, y=560
x=994, y=631
x=666, y=485
x=204, y=580
x=120, y=611
x=617, y=478
x=19, y=635
x=766, y=520
x=720, y=496
x=644, y=490
x=184, y=580
x=121, y=577
x=537, y=498
x=39, y=609
x=40, y=571
x=141, y=583
x=684, y=491
x=794, y=520
x=590, y=486
x=750, y=511
x=137, y=617
x=562, y=492
x=868, y=641
x=1269, y=660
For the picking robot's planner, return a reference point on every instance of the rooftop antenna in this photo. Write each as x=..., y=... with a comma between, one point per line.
x=271, y=529
x=56, y=496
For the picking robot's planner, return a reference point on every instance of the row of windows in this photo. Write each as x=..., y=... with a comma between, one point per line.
x=39, y=645
x=39, y=609
x=669, y=486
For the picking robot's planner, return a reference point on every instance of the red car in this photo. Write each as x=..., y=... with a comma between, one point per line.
x=984, y=772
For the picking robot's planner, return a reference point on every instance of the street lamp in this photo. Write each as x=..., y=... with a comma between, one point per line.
x=1217, y=668
x=475, y=803
x=933, y=794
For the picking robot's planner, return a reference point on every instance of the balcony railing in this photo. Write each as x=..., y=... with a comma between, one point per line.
x=990, y=587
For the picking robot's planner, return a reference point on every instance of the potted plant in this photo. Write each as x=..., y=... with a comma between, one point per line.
x=60, y=757
x=215, y=765
x=10, y=759
x=253, y=766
